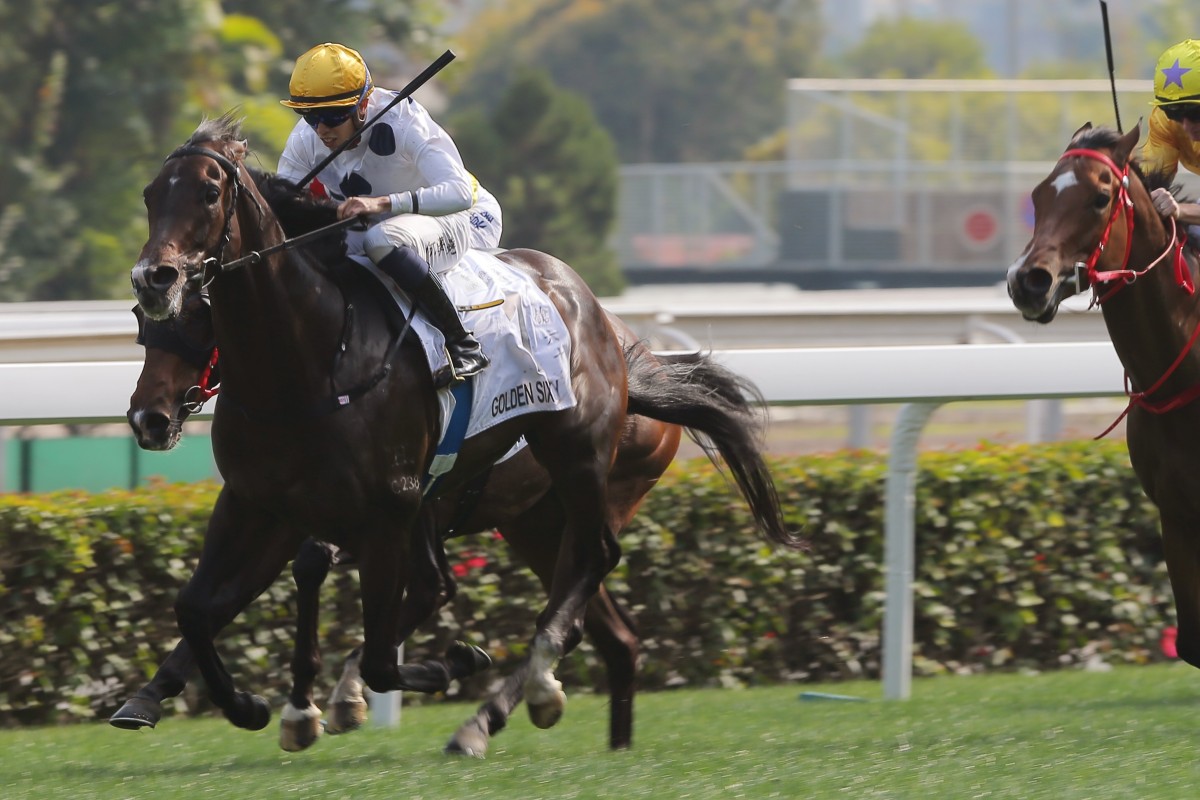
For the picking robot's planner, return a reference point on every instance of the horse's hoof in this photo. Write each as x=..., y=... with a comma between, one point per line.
x=137, y=713
x=299, y=730
x=469, y=740
x=465, y=660
x=250, y=712
x=345, y=716
x=545, y=713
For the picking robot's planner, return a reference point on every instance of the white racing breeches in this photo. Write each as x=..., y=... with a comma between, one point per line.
x=443, y=240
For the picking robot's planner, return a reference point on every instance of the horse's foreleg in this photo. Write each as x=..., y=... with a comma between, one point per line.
x=430, y=584
x=300, y=722
x=1181, y=547
x=244, y=551
x=383, y=567
x=144, y=709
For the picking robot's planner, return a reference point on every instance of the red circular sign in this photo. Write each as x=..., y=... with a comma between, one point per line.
x=980, y=228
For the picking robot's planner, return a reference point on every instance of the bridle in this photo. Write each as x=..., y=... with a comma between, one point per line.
x=1086, y=273
x=168, y=338
x=236, y=187
x=198, y=395
x=214, y=263
x=1122, y=277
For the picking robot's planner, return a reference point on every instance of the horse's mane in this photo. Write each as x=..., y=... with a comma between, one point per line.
x=225, y=128
x=1107, y=138
x=297, y=210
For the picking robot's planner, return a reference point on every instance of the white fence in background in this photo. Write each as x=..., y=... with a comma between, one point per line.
x=922, y=378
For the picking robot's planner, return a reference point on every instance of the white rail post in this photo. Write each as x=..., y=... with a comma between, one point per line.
x=898, y=549
x=385, y=708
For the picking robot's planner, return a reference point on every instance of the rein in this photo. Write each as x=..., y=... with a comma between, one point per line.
x=195, y=397
x=322, y=406
x=254, y=256
x=1123, y=205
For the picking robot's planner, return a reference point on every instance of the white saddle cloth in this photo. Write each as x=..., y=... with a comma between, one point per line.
x=524, y=336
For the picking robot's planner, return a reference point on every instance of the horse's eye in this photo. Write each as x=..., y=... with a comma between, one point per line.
x=1102, y=200
x=211, y=194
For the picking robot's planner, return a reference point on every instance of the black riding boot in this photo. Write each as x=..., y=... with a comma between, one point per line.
x=466, y=357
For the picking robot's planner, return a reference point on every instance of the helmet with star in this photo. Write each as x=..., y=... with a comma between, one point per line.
x=1177, y=74
x=328, y=75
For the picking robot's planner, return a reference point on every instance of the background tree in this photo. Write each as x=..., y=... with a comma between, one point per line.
x=96, y=94
x=554, y=169
x=671, y=80
x=91, y=89
x=907, y=47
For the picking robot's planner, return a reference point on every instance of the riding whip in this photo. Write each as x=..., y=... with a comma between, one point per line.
x=1112, y=79
x=416, y=83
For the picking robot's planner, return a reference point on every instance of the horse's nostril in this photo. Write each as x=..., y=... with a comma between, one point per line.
x=163, y=277
x=1037, y=281
x=155, y=425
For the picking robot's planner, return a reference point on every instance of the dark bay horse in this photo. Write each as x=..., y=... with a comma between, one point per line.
x=515, y=499
x=294, y=335
x=1096, y=228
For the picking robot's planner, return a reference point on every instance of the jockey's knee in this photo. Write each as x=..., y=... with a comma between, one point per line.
x=378, y=243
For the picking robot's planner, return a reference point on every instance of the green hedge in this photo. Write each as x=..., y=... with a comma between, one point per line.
x=1032, y=557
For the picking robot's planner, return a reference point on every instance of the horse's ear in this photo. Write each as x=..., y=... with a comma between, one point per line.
x=1087, y=126
x=1127, y=142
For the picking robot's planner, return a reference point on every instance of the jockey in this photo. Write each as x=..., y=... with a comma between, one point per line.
x=404, y=174
x=1174, y=137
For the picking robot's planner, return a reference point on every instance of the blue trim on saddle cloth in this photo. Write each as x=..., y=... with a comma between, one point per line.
x=456, y=431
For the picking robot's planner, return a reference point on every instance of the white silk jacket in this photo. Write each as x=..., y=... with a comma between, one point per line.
x=405, y=153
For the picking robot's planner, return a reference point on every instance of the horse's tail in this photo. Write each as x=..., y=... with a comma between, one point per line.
x=722, y=412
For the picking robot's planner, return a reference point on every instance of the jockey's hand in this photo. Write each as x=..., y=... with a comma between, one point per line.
x=357, y=206
x=1165, y=203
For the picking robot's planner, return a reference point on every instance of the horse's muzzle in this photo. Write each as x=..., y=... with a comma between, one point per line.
x=1036, y=291
x=156, y=287
x=153, y=430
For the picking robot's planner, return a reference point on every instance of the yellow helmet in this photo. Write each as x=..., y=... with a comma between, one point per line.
x=1177, y=74
x=328, y=75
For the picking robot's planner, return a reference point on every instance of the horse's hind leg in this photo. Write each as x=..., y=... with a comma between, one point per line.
x=300, y=722
x=587, y=553
x=611, y=630
x=347, y=706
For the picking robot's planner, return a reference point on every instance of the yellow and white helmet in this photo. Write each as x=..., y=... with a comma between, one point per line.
x=1177, y=74
x=328, y=75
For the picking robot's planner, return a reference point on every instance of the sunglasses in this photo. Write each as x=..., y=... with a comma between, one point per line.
x=330, y=117
x=1179, y=113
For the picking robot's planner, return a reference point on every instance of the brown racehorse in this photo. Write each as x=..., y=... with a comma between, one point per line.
x=515, y=500
x=1096, y=228
x=298, y=462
